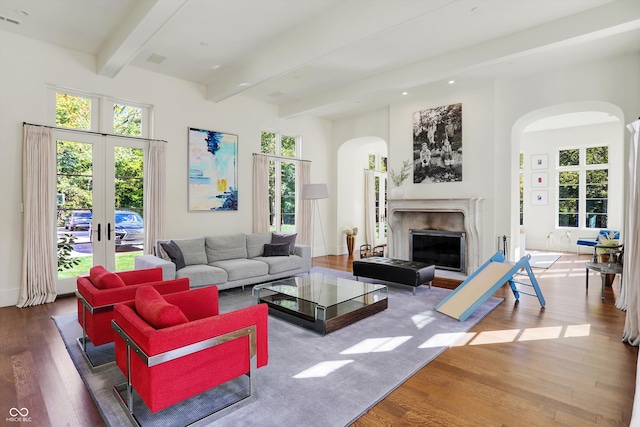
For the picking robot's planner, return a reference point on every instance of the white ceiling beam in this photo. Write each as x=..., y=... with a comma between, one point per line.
x=343, y=26
x=605, y=21
x=144, y=21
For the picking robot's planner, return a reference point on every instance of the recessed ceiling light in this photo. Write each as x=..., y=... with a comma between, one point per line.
x=405, y=93
x=156, y=58
x=215, y=67
x=451, y=82
x=22, y=12
x=244, y=84
x=474, y=9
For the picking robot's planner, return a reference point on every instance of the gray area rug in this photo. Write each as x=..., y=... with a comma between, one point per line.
x=313, y=380
x=543, y=259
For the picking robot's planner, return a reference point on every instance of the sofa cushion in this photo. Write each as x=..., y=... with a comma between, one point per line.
x=285, y=238
x=104, y=279
x=280, y=264
x=256, y=242
x=192, y=250
x=174, y=253
x=229, y=246
x=155, y=310
x=202, y=275
x=238, y=269
x=276, y=249
x=159, y=251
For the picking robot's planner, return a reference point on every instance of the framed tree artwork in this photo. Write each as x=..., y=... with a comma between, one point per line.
x=213, y=171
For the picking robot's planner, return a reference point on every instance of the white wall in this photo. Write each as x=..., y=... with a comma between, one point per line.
x=28, y=66
x=540, y=220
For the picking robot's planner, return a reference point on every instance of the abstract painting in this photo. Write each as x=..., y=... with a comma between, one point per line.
x=213, y=171
x=437, y=144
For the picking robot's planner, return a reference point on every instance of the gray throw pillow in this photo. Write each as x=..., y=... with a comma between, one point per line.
x=276, y=249
x=175, y=254
x=285, y=238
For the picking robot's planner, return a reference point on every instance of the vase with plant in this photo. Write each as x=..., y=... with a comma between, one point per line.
x=351, y=233
x=399, y=178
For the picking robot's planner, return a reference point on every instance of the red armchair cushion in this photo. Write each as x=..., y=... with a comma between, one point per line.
x=156, y=311
x=168, y=383
x=103, y=279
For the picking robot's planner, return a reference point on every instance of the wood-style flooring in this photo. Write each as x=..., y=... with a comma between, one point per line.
x=520, y=366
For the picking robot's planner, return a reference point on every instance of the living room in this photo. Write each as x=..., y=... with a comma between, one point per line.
x=495, y=112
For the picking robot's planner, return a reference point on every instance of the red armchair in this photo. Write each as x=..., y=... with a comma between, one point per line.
x=99, y=291
x=202, y=351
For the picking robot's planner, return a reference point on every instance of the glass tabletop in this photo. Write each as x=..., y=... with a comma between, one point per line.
x=322, y=289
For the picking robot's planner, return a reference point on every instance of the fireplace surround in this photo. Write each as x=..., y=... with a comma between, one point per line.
x=457, y=215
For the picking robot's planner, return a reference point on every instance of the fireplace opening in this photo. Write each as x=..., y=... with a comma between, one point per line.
x=445, y=249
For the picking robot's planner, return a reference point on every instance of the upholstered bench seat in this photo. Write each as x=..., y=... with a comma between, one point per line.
x=411, y=273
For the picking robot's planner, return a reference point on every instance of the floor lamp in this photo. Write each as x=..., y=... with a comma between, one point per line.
x=315, y=192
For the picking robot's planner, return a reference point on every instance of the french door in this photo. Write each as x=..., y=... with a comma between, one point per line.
x=100, y=203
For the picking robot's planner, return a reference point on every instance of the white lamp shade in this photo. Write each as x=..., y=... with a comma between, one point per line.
x=314, y=191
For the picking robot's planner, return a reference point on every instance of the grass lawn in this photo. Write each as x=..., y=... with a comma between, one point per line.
x=124, y=261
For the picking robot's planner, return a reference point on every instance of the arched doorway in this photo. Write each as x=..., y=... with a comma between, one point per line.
x=556, y=211
x=353, y=159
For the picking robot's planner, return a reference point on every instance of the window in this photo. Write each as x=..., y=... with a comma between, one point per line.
x=282, y=179
x=583, y=180
x=378, y=163
x=521, y=188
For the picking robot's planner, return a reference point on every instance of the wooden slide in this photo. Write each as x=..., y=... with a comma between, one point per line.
x=478, y=287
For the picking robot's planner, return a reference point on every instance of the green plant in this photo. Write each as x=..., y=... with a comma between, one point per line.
x=350, y=231
x=65, y=248
x=399, y=177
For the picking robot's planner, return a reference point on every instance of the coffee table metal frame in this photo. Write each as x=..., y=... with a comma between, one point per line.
x=320, y=302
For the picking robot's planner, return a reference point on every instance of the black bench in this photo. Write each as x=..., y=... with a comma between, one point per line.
x=411, y=273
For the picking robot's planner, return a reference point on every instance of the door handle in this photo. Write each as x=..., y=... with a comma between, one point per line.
x=108, y=231
x=99, y=231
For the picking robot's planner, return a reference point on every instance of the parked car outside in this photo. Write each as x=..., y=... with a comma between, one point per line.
x=79, y=220
x=129, y=229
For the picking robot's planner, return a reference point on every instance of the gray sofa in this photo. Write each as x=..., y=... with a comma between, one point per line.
x=228, y=261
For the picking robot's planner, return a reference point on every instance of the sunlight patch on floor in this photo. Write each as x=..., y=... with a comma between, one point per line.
x=376, y=345
x=322, y=369
x=442, y=340
x=423, y=319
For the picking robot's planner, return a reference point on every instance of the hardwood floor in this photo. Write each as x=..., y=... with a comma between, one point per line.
x=520, y=366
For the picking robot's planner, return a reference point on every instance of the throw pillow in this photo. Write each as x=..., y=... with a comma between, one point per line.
x=155, y=310
x=104, y=279
x=285, y=238
x=276, y=249
x=174, y=252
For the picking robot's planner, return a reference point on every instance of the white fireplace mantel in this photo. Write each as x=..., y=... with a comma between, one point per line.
x=470, y=208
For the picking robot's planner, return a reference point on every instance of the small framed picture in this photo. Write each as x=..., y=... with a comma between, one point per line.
x=539, y=198
x=539, y=180
x=540, y=161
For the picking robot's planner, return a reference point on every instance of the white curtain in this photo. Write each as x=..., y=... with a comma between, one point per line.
x=305, y=207
x=630, y=294
x=370, y=207
x=260, y=193
x=39, y=257
x=154, y=193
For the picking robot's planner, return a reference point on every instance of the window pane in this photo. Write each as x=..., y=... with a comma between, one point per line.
x=288, y=198
x=597, y=155
x=566, y=178
x=73, y=111
x=596, y=221
x=129, y=190
x=372, y=161
x=127, y=120
x=521, y=194
x=288, y=146
x=569, y=157
x=383, y=164
x=521, y=161
x=268, y=143
x=567, y=220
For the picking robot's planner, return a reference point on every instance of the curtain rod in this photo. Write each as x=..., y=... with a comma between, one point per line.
x=291, y=159
x=94, y=132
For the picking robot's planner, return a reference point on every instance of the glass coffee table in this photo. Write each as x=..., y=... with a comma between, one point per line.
x=320, y=302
